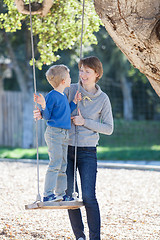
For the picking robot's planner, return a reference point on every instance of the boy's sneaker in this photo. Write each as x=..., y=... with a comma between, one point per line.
x=52, y=198
x=67, y=198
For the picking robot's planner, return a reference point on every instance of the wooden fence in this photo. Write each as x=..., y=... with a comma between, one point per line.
x=11, y=121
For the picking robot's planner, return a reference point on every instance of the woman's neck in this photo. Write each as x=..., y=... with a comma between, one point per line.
x=90, y=88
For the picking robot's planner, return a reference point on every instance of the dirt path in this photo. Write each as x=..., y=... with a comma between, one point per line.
x=129, y=203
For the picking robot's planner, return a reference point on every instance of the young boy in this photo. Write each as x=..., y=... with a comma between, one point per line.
x=57, y=111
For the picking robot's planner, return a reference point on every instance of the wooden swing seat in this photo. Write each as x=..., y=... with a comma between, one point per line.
x=55, y=205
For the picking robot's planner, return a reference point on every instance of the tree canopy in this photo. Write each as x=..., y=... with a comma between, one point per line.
x=59, y=29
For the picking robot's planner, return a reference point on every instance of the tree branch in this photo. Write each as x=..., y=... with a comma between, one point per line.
x=135, y=28
x=37, y=8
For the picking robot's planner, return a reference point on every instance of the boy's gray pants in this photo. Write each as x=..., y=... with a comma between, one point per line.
x=56, y=179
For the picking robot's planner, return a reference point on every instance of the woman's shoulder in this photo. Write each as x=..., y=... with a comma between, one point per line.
x=74, y=86
x=71, y=91
x=101, y=93
x=104, y=97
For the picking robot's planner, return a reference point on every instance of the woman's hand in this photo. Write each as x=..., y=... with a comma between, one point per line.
x=77, y=97
x=78, y=120
x=37, y=114
x=40, y=100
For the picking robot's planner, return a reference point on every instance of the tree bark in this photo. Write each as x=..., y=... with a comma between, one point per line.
x=135, y=28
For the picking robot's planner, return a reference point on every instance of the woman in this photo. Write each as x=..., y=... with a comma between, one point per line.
x=94, y=116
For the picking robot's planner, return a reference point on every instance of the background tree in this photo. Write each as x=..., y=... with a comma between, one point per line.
x=60, y=29
x=5, y=70
x=58, y=34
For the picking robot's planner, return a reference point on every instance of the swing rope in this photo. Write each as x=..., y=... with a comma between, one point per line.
x=35, y=91
x=74, y=194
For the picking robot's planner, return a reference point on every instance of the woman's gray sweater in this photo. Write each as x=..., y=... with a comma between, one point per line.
x=97, y=112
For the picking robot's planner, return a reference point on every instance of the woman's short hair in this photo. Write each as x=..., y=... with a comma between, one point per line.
x=93, y=63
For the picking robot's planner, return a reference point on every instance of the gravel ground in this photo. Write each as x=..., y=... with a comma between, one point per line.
x=129, y=203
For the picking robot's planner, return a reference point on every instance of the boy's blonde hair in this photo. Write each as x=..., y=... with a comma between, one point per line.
x=56, y=74
x=93, y=63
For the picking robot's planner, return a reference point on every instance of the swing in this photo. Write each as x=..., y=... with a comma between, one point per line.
x=38, y=204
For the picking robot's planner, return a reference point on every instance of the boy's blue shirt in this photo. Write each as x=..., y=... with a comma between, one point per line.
x=58, y=110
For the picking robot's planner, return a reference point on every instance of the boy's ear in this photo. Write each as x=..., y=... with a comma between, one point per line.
x=63, y=81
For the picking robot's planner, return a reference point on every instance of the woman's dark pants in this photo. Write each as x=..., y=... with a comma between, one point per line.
x=87, y=166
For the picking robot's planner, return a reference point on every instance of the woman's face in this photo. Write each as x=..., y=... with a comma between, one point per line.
x=87, y=75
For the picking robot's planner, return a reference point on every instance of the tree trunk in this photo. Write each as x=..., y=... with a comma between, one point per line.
x=36, y=8
x=135, y=28
x=127, y=98
x=25, y=82
x=5, y=72
x=1, y=78
x=1, y=83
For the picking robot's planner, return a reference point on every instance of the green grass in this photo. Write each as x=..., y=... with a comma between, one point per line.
x=129, y=153
x=131, y=140
x=20, y=153
x=104, y=153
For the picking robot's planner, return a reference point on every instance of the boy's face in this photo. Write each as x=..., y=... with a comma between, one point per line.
x=87, y=75
x=67, y=80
